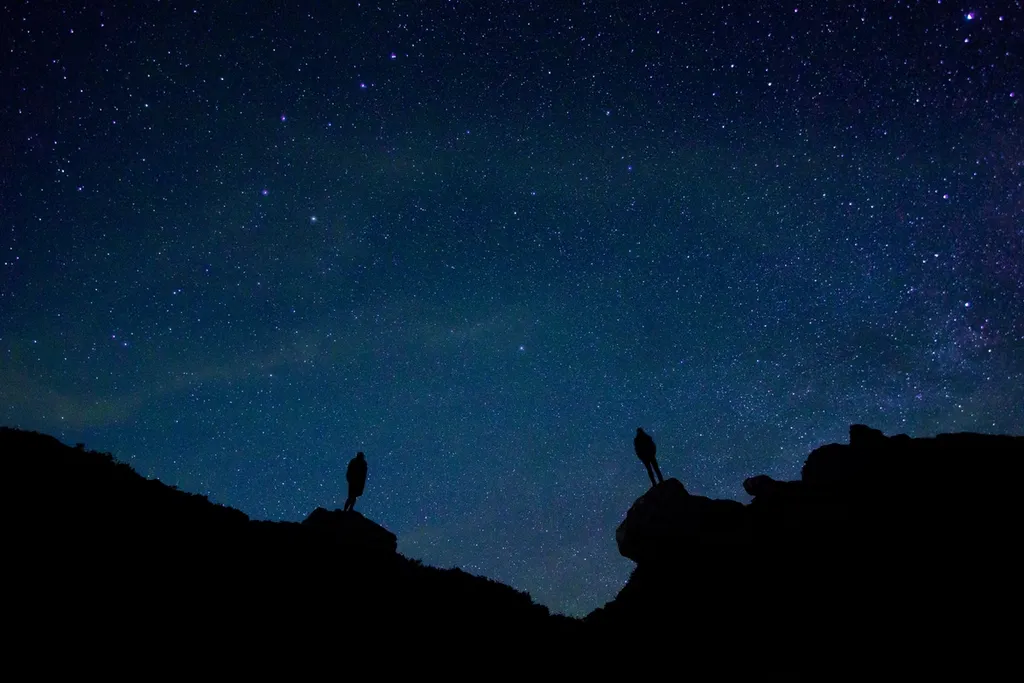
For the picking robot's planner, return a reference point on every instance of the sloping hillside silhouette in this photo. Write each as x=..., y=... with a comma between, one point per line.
x=92, y=537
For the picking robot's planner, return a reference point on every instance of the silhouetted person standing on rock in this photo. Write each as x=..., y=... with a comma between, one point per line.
x=645, y=450
x=356, y=475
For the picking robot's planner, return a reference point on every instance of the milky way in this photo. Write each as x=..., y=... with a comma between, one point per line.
x=484, y=241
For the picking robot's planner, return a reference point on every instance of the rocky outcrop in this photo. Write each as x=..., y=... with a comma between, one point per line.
x=667, y=519
x=876, y=490
x=883, y=542
x=352, y=531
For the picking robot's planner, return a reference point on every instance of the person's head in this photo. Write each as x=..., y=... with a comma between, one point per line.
x=639, y=430
x=360, y=455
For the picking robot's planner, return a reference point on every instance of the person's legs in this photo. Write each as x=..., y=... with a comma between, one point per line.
x=350, y=503
x=654, y=461
x=650, y=473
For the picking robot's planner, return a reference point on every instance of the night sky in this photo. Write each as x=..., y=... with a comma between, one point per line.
x=484, y=241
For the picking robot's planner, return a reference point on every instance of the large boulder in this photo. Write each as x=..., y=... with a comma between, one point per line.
x=667, y=521
x=353, y=531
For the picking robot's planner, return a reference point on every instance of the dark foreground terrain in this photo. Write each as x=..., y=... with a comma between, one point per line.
x=892, y=554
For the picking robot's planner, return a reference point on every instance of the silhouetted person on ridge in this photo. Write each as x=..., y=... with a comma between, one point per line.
x=645, y=450
x=356, y=475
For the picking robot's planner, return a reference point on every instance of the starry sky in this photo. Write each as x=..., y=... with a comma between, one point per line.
x=484, y=241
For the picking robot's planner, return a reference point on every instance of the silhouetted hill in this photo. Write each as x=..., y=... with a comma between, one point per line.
x=894, y=554
x=887, y=548
x=91, y=539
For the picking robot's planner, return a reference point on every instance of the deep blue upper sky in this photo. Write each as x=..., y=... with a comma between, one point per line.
x=484, y=241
